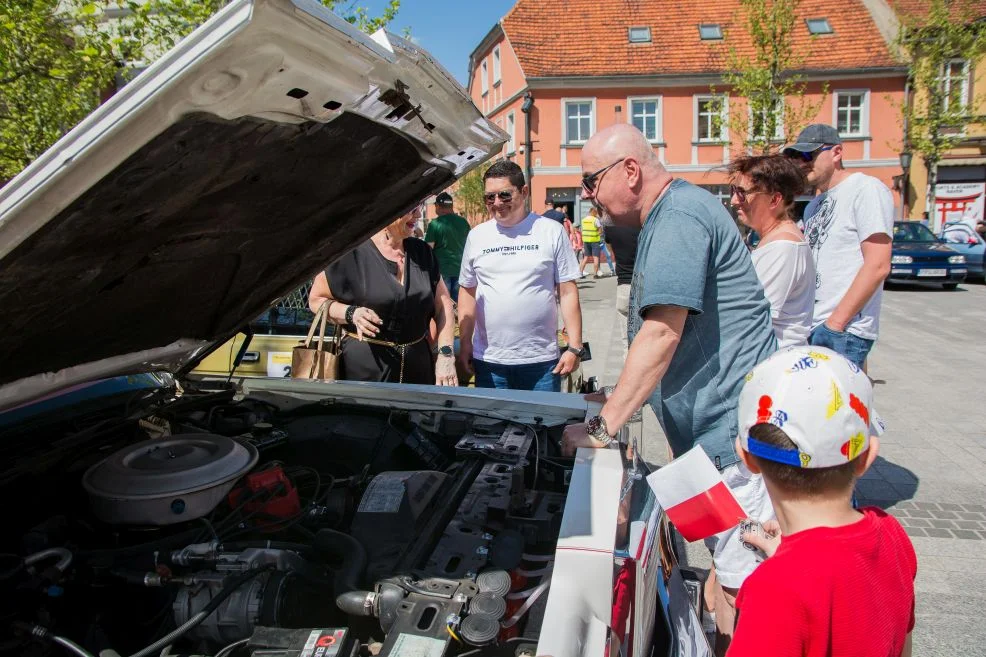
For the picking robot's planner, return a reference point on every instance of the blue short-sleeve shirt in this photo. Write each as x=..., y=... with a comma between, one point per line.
x=690, y=254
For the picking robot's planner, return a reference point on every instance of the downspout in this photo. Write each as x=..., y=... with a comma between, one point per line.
x=526, y=108
x=905, y=182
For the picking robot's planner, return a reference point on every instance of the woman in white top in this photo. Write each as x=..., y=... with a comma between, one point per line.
x=763, y=190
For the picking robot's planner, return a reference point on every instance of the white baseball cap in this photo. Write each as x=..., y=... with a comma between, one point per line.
x=823, y=402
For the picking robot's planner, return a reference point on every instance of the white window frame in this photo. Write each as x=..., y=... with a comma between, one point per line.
x=484, y=82
x=659, y=128
x=945, y=77
x=631, y=29
x=512, y=130
x=778, y=129
x=565, y=102
x=864, y=123
x=724, y=132
x=496, y=65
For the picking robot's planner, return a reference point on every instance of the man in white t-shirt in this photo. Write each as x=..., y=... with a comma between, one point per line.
x=849, y=227
x=512, y=269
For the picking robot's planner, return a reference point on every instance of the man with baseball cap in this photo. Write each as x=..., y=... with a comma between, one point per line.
x=849, y=227
x=837, y=580
x=447, y=236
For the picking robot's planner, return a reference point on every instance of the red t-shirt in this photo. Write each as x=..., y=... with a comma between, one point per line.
x=831, y=591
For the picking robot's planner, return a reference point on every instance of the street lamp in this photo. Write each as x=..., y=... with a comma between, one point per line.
x=905, y=165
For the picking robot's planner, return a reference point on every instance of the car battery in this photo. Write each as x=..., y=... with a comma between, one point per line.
x=312, y=642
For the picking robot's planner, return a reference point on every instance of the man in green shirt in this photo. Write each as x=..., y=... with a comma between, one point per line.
x=447, y=236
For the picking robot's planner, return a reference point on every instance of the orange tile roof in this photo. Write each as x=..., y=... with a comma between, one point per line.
x=918, y=8
x=541, y=33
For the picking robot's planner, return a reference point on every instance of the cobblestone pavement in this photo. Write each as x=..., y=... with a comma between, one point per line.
x=929, y=368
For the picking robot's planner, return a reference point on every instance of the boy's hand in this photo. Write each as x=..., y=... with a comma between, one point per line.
x=769, y=543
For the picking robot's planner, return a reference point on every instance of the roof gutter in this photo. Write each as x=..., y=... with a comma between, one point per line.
x=484, y=43
x=696, y=80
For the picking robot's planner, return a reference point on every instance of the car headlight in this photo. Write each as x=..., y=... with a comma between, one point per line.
x=956, y=260
x=901, y=260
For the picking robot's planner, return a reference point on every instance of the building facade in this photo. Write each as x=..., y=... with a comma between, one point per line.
x=661, y=70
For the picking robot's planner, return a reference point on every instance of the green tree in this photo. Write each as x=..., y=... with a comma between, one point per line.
x=59, y=59
x=469, y=192
x=765, y=76
x=941, y=46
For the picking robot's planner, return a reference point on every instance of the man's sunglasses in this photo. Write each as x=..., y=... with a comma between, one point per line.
x=810, y=155
x=504, y=195
x=589, y=179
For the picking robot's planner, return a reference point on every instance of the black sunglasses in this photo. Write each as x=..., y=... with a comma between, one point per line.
x=589, y=179
x=810, y=155
x=505, y=195
x=740, y=193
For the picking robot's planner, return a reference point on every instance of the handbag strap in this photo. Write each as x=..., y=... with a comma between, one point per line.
x=318, y=320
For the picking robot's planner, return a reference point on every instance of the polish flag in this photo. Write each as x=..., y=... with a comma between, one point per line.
x=695, y=497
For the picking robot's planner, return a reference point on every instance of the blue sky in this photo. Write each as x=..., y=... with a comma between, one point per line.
x=448, y=29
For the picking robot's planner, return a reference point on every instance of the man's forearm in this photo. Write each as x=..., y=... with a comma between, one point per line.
x=869, y=278
x=646, y=363
x=571, y=314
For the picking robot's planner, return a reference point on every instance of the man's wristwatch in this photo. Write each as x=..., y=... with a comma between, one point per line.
x=580, y=353
x=597, y=430
x=446, y=350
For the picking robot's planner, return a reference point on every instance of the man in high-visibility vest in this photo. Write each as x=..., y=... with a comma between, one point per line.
x=592, y=240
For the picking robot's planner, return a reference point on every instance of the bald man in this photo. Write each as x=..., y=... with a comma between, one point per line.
x=698, y=323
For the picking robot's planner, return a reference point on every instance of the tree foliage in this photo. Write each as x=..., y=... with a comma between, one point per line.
x=941, y=47
x=469, y=193
x=60, y=58
x=775, y=93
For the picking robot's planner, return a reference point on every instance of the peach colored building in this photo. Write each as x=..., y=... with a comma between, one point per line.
x=658, y=66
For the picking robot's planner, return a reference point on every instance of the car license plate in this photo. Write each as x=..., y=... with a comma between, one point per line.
x=931, y=272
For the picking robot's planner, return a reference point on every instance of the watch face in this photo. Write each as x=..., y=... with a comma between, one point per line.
x=446, y=351
x=593, y=425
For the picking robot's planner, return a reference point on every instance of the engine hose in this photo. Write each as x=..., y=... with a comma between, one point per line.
x=44, y=634
x=540, y=572
x=334, y=543
x=64, y=558
x=532, y=597
x=195, y=620
x=538, y=557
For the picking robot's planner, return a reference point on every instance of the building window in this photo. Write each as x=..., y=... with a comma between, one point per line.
x=484, y=78
x=645, y=115
x=850, y=113
x=819, y=26
x=710, y=118
x=955, y=85
x=710, y=32
x=579, y=120
x=512, y=144
x=496, y=66
x=759, y=123
x=639, y=35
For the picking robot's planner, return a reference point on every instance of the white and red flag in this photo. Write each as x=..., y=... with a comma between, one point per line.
x=695, y=497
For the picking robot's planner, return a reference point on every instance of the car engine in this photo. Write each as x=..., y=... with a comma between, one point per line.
x=209, y=525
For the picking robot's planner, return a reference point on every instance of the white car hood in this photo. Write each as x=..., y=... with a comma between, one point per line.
x=272, y=140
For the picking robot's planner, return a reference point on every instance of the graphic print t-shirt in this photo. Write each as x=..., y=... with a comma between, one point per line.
x=515, y=270
x=835, y=225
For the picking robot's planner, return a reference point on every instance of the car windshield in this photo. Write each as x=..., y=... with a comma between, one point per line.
x=913, y=232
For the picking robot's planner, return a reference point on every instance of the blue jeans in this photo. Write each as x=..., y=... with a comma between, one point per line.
x=452, y=283
x=853, y=347
x=530, y=376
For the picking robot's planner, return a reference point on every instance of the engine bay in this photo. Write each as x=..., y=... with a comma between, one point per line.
x=208, y=524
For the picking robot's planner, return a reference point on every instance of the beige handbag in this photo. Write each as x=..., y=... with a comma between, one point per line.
x=308, y=362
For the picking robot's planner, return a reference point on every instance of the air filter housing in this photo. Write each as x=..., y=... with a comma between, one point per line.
x=167, y=480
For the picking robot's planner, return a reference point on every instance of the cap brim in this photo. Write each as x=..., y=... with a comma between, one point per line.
x=803, y=148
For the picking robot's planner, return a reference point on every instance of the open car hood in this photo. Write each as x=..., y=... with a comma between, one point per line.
x=272, y=140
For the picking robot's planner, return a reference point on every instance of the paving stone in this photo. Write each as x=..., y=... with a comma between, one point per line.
x=927, y=506
x=946, y=515
x=961, y=533
x=904, y=504
x=898, y=513
x=939, y=533
x=919, y=522
x=950, y=507
x=978, y=508
x=967, y=515
x=919, y=513
x=942, y=524
x=968, y=524
x=914, y=531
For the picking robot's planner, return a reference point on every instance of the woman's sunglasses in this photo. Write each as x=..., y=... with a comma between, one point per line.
x=810, y=155
x=740, y=193
x=505, y=196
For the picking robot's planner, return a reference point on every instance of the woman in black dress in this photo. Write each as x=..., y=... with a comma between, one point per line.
x=385, y=293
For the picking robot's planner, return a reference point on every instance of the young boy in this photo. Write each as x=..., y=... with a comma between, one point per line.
x=838, y=581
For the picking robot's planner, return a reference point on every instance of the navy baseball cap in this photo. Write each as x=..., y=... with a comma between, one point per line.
x=443, y=199
x=814, y=137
